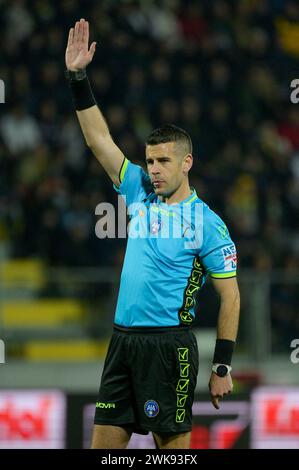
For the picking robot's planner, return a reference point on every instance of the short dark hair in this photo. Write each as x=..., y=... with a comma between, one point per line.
x=170, y=133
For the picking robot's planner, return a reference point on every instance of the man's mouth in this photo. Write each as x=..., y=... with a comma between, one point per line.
x=157, y=183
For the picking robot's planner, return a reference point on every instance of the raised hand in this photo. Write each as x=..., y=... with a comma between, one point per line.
x=77, y=54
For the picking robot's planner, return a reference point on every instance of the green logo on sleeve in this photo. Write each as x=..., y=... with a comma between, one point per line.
x=223, y=231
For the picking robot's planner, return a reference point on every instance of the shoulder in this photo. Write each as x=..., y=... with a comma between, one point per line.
x=132, y=175
x=208, y=216
x=135, y=184
x=215, y=230
x=212, y=218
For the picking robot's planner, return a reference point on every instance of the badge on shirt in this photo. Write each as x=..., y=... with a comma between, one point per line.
x=156, y=226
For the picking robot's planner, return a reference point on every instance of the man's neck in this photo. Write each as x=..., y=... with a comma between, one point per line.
x=182, y=193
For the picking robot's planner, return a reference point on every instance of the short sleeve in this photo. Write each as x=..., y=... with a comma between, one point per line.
x=135, y=183
x=218, y=252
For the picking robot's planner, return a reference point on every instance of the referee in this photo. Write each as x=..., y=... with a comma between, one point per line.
x=150, y=371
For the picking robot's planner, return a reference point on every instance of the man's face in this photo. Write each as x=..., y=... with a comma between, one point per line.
x=165, y=167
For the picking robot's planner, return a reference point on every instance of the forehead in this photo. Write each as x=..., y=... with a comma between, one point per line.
x=159, y=150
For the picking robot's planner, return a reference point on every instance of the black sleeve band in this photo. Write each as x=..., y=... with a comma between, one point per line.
x=81, y=92
x=224, y=349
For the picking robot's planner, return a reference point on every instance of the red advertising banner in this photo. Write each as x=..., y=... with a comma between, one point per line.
x=275, y=418
x=32, y=419
x=268, y=419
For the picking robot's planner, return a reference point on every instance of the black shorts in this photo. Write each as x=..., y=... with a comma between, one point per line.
x=148, y=380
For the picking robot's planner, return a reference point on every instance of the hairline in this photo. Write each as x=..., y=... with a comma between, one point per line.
x=177, y=145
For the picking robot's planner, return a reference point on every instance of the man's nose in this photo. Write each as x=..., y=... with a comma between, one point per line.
x=155, y=168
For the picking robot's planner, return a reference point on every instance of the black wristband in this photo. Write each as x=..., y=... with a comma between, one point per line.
x=224, y=349
x=81, y=90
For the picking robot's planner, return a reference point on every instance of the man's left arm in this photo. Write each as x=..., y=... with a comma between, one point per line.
x=227, y=329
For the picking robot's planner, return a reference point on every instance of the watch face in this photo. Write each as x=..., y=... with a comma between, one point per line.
x=222, y=371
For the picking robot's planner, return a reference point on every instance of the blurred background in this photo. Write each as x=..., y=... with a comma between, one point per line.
x=221, y=70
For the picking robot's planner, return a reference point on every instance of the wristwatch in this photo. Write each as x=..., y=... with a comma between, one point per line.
x=221, y=369
x=75, y=76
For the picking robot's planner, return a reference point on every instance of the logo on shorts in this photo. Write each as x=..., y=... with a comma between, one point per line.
x=151, y=408
x=104, y=405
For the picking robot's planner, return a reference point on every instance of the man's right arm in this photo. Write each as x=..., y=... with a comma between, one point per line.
x=92, y=122
x=100, y=142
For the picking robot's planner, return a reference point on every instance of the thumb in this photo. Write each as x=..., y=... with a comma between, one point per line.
x=92, y=50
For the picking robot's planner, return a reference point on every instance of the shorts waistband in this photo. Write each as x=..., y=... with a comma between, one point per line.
x=150, y=329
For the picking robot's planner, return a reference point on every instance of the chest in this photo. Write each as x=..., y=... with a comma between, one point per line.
x=172, y=235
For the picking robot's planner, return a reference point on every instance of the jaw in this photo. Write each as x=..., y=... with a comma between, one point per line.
x=162, y=193
x=161, y=190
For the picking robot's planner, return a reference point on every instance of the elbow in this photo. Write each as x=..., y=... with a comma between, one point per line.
x=90, y=144
x=90, y=141
x=97, y=143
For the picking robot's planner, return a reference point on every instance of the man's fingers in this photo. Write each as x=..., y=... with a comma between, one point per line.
x=80, y=30
x=85, y=38
x=76, y=32
x=71, y=37
x=92, y=50
x=80, y=33
x=215, y=401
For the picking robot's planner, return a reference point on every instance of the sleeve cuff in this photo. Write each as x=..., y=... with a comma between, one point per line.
x=122, y=172
x=123, y=169
x=223, y=275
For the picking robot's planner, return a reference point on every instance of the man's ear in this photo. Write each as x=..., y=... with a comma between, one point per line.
x=188, y=162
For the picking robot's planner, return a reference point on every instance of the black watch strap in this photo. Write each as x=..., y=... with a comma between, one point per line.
x=75, y=76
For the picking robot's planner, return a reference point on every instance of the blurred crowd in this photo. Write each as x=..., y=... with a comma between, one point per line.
x=220, y=69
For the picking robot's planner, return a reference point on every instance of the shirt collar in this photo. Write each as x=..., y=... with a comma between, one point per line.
x=188, y=200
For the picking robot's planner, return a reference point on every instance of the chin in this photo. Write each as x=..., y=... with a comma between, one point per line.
x=160, y=192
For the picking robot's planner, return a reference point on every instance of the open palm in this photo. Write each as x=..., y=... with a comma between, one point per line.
x=77, y=54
